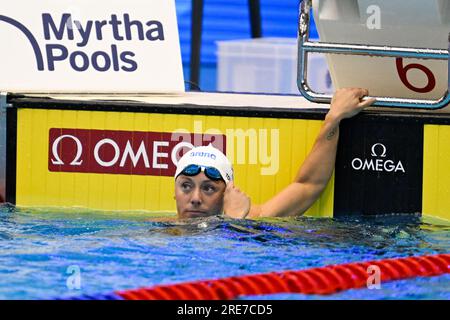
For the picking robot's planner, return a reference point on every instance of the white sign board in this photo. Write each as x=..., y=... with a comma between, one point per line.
x=104, y=46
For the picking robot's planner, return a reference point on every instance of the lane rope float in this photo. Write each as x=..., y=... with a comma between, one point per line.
x=324, y=280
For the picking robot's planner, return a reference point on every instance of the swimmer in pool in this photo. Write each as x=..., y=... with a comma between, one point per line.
x=204, y=177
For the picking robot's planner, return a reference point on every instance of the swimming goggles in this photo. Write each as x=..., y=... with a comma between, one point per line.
x=193, y=170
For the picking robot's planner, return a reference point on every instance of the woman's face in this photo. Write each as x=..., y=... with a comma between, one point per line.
x=198, y=196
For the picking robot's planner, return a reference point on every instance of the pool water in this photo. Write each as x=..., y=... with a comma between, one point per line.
x=45, y=255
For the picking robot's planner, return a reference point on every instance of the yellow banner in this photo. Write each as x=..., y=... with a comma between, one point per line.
x=266, y=155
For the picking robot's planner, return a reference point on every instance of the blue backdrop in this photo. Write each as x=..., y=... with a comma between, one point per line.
x=227, y=20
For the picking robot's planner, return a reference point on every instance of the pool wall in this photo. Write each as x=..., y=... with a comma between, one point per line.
x=119, y=155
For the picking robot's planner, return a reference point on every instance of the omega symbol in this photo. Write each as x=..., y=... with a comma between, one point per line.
x=58, y=161
x=383, y=148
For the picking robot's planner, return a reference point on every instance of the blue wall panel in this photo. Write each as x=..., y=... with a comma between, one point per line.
x=229, y=19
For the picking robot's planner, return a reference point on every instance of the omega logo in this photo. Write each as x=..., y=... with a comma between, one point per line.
x=128, y=153
x=383, y=148
x=120, y=152
x=58, y=161
x=379, y=164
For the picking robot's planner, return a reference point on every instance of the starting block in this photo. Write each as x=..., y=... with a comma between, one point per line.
x=396, y=49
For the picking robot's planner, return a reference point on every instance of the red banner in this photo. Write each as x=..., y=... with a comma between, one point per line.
x=123, y=152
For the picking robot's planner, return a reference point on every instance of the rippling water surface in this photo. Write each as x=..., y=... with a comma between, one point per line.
x=40, y=250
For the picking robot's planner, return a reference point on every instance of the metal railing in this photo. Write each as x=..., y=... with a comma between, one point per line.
x=306, y=46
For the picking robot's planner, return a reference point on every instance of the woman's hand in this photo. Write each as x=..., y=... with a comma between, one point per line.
x=236, y=204
x=348, y=102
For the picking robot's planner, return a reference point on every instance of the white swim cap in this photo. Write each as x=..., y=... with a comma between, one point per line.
x=207, y=156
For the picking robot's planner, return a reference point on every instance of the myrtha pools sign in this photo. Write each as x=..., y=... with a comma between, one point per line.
x=90, y=46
